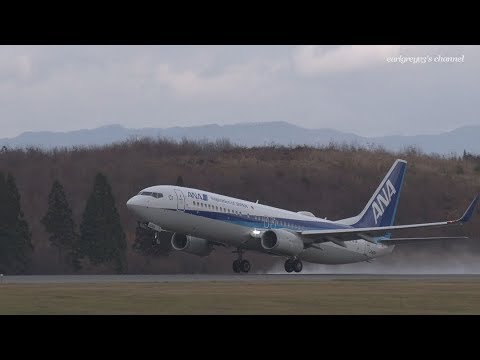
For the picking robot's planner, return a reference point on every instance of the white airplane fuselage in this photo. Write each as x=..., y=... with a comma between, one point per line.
x=236, y=223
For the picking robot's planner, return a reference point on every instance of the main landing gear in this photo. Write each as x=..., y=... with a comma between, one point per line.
x=293, y=265
x=241, y=265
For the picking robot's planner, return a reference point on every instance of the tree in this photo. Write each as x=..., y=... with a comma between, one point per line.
x=15, y=236
x=58, y=222
x=179, y=181
x=102, y=239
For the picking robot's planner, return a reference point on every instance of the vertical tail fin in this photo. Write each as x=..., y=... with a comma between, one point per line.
x=382, y=206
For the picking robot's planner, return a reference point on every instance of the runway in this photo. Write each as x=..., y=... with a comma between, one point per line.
x=250, y=278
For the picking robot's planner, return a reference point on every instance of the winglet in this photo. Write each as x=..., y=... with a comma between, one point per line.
x=469, y=212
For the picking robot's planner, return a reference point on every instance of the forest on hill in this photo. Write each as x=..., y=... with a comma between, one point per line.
x=331, y=181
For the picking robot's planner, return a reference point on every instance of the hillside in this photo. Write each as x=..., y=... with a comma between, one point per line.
x=253, y=134
x=331, y=182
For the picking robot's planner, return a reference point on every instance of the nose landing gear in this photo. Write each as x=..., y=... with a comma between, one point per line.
x=156, y=240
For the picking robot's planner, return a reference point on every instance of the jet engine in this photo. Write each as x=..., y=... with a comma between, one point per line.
x=191, y=244
x=282, y=242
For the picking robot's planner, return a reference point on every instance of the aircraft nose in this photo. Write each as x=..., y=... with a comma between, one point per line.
x=137, y=206
x=133, y=203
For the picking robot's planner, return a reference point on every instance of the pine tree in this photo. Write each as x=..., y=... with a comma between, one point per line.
x=180, y=181
x=15, y=237
x=102, y=238
x=58, y=222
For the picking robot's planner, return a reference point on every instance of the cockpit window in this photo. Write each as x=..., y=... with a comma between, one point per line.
x=154, y=194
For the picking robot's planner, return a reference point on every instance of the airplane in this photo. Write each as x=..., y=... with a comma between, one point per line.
x=201, y=220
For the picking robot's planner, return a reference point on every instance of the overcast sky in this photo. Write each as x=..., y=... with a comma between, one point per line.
x=349, y=88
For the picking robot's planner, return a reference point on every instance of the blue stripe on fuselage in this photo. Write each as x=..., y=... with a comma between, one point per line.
x=250, y=221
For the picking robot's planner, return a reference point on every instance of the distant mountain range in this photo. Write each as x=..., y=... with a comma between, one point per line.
x=254, y=134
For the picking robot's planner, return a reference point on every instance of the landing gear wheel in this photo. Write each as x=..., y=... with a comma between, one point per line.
x=288, y=266
x=297, y=266
x=236, y=266
x=245, y=266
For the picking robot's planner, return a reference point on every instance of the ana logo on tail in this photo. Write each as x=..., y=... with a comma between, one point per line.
x=381, y=202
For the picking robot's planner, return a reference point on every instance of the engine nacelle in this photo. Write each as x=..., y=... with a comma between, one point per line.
x=191, y=244
x=281, y=242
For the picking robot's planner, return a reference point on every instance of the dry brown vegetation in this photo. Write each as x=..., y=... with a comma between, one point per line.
x=332, y=181
x=344, y=296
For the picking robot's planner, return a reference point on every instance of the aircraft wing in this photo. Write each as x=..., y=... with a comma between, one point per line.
x=368, y=233
x=399, y=241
